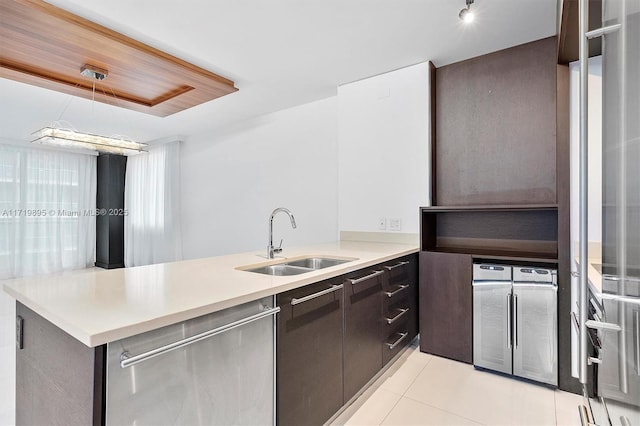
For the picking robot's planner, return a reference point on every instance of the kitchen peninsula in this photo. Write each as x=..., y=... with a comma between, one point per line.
x=88, y=326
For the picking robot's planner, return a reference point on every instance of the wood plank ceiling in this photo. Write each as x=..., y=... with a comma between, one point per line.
x=47, y=46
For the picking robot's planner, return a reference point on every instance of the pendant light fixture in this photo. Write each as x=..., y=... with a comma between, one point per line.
x=70, y=138
x=466, y=14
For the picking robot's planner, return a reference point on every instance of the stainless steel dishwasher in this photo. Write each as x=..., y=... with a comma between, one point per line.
x=218, y=369
x=515, y=321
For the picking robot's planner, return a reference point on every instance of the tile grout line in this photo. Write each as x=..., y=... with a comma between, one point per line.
x=446, y=411
x=390, y=410
x=405, y=391
x=417, y=375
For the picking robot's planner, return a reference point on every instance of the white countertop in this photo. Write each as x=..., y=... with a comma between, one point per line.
x=101, y=306
x=595, y=277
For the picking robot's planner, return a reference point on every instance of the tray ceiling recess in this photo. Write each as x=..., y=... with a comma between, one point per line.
x=49, y=47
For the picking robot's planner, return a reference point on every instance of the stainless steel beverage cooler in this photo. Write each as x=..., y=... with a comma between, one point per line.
x=515, y=321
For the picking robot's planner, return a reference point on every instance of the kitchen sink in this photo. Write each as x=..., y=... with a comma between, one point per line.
x=279, y=270
x=317, y=262
x=296, y=266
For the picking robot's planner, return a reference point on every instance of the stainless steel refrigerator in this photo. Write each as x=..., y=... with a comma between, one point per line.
x=609, y=321
x=515, y=321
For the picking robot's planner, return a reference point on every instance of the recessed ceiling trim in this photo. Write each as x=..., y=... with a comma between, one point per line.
x=40, y=78
x=47, y=46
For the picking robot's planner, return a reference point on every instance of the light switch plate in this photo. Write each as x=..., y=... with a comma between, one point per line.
x=382, y=223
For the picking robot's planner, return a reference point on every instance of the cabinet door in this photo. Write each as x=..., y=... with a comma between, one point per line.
x=58, y=379
x=535, y=342
x=362, y=328
x=492, y=329
x=309, y=353
x=413, y=297
x=446, y=305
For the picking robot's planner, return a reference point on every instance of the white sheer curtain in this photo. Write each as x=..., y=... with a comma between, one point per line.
x=152, y=200
x=47, y=205
x=46, y=225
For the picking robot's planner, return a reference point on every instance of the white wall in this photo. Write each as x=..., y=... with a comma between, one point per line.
x=383, y=133
x=234, y=178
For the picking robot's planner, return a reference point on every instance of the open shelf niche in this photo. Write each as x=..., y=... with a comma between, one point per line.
x=520, y=233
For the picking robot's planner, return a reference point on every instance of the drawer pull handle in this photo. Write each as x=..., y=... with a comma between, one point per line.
x=393, y=345
x=397, y=317
x=636, y=339
x=331, y=289
x=599, y=325
x=390, y=294
x=366, y=277
x=599, y=32
x=397, y=265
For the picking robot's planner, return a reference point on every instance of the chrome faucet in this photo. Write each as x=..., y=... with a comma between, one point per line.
x=271, y=250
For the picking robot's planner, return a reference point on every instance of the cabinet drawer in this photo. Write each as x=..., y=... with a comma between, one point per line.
x=397, y=292
x=394, y=343
x=399, y=272
x=396, y=296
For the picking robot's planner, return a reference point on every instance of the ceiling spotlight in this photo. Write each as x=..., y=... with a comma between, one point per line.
x=466, y=14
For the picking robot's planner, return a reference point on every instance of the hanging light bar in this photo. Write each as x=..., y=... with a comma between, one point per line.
x=74, y=139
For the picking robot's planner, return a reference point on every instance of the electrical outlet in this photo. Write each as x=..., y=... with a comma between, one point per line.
x=382, y=223
x=395, y=224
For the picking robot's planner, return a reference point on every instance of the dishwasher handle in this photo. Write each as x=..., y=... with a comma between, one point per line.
x=126, y=360
x=636, y=339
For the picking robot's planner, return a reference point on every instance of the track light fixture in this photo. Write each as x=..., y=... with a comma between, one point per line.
x=466, y=14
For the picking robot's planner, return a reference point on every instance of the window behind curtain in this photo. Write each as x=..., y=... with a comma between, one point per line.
x=47, y=224
x=151, y=199
x=47, y=211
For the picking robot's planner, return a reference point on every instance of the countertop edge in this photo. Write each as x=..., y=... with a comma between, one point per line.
x=106, y=336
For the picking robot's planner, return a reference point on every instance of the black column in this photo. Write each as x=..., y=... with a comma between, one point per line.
x=110, y=204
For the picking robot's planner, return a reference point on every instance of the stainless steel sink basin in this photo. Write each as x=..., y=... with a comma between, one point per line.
x=296, y=266
x=317, y=262
x=279, y=270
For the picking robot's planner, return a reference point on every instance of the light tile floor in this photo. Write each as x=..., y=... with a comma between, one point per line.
x=421, y=389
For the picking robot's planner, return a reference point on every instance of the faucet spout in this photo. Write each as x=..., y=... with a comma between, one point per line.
x=271, y=250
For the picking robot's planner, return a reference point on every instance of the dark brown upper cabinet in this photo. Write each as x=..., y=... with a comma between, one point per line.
x=495, y=121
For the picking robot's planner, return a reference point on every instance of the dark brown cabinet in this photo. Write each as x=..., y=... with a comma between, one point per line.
x=446, y=319
x=509, y=100
x=505, y=197
x=334, y=336
x=362, y=328
x=309, y=354
x=399, y=306
x=451, y=239
x=59, y=381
